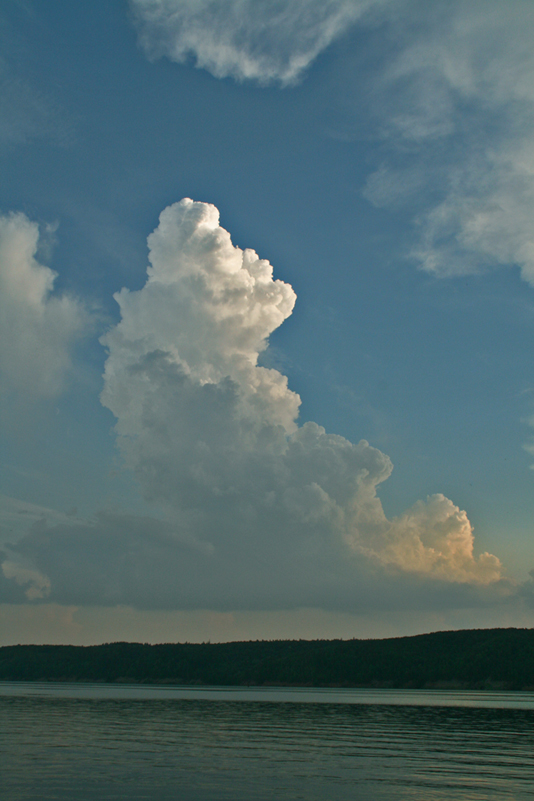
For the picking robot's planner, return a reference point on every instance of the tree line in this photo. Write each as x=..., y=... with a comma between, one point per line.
x=469, y=659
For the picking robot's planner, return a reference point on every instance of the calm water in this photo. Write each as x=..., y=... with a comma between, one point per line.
x=89, y=742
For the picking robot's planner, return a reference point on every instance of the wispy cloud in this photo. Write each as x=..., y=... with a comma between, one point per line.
x=29, y=113
x=257, y=40
x=455, y=105
x=450, y=92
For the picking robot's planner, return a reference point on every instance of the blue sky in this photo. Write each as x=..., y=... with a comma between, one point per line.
x=378, y=155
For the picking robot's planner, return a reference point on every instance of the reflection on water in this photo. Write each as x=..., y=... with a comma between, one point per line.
x=306, y=695
x=163, y=748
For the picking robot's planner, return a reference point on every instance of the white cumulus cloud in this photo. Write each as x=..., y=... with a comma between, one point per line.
x=255, y=511
x=37, y=328
x=213, y=436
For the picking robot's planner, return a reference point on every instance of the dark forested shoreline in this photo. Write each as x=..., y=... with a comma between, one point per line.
x=475, y=659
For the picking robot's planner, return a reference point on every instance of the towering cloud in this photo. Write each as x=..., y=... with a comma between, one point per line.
x=213, y=436
x=37, y=328
x=254, y=510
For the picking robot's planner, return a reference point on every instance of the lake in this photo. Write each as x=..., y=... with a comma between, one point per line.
x=83, y=742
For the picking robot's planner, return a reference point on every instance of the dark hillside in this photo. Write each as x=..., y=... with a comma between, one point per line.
x=476, y=659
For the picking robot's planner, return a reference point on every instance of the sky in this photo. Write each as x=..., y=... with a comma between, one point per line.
x=266, y=318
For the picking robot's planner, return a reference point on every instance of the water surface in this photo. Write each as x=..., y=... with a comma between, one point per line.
x=321, y=695
x=88, y=742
